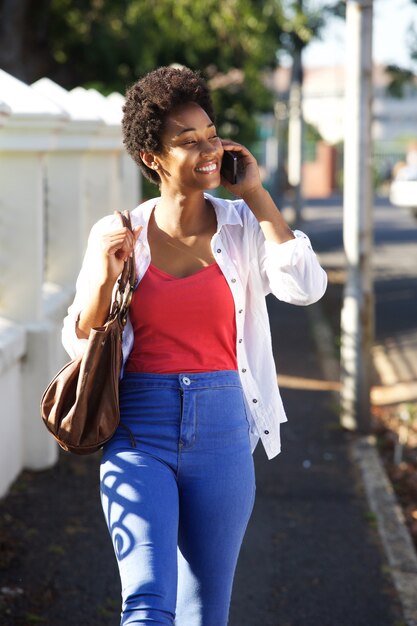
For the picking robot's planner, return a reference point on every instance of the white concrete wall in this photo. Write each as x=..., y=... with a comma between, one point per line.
x=62, y=167
x=12, y=350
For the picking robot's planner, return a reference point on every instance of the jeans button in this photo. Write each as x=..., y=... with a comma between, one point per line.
x=186, y=380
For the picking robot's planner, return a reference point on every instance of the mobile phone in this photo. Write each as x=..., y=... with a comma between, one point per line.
x=229, y=167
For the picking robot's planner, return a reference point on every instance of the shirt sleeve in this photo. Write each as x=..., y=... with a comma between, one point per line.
x=86, y=280
x=291, y=270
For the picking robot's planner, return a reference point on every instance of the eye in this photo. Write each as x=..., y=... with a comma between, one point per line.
x=214, y=137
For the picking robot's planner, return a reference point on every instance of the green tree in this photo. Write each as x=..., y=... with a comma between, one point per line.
x=108, y=44
x=401, y=77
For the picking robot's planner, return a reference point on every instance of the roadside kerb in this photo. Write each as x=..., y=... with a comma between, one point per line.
x=395, y=538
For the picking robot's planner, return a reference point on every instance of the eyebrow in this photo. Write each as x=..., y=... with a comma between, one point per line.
x=187, y=130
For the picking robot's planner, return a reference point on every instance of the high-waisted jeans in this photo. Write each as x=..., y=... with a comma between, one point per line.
x=177, y=488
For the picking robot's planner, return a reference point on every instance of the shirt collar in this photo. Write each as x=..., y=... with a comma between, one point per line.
x=226, y=213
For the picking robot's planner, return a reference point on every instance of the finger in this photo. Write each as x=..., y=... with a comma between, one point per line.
x=128, y=245
x=113, y=242
x=133, y=238
x=121, y=242
x=241, y=151
x=119, y=232
x=122, y=252
x=121, y=235
x=233, y=146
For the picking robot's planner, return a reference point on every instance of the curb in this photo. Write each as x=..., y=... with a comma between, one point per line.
x=394, y=534
x=395, y=538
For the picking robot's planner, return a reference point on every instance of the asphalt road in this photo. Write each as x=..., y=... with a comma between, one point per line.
x=394, y=260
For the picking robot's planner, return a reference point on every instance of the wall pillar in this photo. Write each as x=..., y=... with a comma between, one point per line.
x=21, y=235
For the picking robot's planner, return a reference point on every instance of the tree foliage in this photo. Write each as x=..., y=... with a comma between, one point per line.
x=400, y=77
x=108, y=44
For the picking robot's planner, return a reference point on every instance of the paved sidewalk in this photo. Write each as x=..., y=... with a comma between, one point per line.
x=312, y=556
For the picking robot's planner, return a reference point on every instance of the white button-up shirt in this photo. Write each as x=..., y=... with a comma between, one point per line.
x=253, y=268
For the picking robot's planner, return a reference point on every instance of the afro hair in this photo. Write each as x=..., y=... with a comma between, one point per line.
x=148, y=103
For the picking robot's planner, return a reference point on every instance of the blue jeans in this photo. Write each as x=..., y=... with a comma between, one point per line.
x=177, y=488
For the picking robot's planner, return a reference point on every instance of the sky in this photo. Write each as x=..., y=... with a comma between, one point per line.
x=391, y=21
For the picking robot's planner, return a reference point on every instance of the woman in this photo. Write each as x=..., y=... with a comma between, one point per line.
x=199, y=385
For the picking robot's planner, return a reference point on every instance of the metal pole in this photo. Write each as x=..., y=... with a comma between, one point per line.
x=295, y=127
x=281, y=129
x=295, y=135
x=357, y=322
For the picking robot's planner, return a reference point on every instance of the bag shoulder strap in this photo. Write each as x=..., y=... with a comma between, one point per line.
x=126, y=281
x=128, y=274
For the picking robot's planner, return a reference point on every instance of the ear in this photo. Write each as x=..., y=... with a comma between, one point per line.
x=149, y=160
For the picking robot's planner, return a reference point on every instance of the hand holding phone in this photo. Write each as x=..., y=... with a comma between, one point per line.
x=229, y=167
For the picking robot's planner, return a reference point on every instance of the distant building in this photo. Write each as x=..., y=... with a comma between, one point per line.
x=395, y=119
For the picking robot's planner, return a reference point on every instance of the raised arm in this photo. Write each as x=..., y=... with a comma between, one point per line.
x=249, y=188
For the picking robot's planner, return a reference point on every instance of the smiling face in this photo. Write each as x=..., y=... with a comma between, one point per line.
x=192, y=153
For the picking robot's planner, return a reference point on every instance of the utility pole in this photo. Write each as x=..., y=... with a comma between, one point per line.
x=295, y=125
x=281, y=129
x=357, y=320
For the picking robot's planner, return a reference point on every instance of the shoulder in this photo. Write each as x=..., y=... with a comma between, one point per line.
x=139, y=215
x=105, y=223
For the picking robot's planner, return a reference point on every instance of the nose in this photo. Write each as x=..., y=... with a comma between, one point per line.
x=208, y=149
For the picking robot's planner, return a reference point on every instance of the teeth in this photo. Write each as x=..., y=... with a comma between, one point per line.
x=207, y=168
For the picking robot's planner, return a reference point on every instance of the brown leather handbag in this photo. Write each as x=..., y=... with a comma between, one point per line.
x=80, y=406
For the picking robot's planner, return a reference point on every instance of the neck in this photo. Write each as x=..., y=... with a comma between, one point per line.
x=182, y=215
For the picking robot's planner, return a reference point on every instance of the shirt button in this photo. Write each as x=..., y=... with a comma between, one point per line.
x=266, y=432
x=233, y=280
x=254, y=400
x=240, y=310
x=243, y=370
x=218, y=250
x=240, y=340
x=186, y=380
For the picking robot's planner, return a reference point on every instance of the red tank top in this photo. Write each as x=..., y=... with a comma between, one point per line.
x=183, y=324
